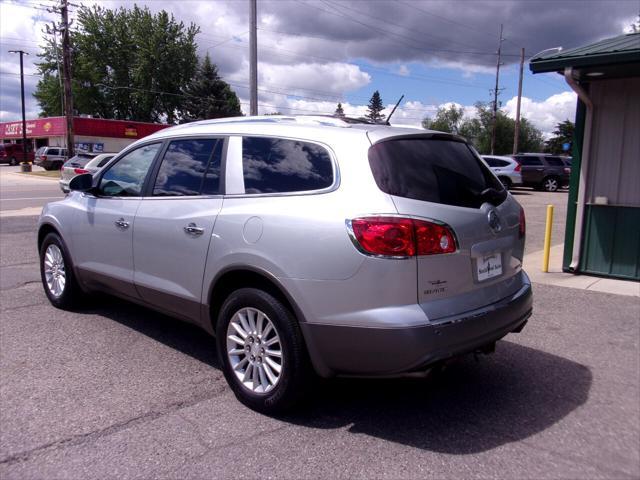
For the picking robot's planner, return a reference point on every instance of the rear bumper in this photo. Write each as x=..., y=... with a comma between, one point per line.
x=367, y=351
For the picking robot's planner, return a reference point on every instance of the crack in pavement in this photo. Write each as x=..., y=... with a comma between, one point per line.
x=110, y=430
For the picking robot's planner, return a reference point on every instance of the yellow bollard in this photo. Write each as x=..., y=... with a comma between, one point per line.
x=547, y=238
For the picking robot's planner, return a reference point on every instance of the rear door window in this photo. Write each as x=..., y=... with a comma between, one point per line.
x=275, y=165
x=190, y=167
x=555, y=161
x=432, y=170
x=529, y=161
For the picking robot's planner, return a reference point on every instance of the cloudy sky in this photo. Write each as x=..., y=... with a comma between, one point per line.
x=315, y=53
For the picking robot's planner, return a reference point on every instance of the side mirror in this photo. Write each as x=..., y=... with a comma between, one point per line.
x=81, y=183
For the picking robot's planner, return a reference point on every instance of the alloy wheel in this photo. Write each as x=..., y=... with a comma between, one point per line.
x=551, y=184
x=254, y=350
x=54, y=270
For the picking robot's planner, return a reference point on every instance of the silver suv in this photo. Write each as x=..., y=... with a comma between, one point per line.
x=303, y=244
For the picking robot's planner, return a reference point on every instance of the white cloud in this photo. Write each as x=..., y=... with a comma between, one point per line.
x=546, y=114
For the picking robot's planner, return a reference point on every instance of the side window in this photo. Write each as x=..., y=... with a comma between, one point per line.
x=555, y=161
x=190, y=167
x=53, y=151
x=273, y=165
x=126, y=176
x=528, y=161
x=492, y=162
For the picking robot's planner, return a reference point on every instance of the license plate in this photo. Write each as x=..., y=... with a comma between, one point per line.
x=489, y=266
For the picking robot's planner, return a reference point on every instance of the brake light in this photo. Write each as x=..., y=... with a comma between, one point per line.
x=567, y=170
x=80, y=171
x=402, y=237
x=523, y=224
x=517, y=169
x=43, y=157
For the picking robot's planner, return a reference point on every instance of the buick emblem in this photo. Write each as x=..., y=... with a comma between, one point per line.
x=494, y=221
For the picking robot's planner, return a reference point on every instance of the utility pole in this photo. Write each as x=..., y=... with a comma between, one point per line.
x=253, y=61
x=495, y=94
x=66, y=69
x=24, y=120
x=516, y=134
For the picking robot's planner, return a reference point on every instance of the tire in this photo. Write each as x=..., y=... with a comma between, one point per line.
x=551, y=184
x=13, y=162
x=48, y=168
x=55, y=260
x=506, y=182
x=268, y=391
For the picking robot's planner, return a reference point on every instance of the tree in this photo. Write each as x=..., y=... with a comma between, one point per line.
x=562, y=134
x=374, y=110
x=128, y=64
x=208, y=96
x=448, y=119
x=478, y=131
x=339, y=111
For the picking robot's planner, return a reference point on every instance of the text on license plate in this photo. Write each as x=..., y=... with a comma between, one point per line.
x=489, y=266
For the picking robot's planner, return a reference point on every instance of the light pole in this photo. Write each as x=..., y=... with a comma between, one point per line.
x=24, y=120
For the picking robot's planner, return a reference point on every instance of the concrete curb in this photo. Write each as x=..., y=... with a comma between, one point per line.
x=533, y=265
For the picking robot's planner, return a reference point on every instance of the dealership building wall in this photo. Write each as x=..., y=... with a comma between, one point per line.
x=90, y=134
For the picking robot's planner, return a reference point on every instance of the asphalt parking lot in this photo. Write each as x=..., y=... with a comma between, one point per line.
x=116, y=390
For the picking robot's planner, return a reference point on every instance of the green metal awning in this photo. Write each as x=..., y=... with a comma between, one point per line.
x=623, y=49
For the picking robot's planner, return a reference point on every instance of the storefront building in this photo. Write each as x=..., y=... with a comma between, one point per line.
x=602, y=235
x=90, y=134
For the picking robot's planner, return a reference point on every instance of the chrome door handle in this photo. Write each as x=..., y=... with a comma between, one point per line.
x=120, y=223
x=194, y=230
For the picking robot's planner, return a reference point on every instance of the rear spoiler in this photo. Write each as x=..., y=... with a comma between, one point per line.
x=375, y=137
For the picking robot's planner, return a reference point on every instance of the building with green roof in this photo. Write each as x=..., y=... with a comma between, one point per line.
x=602, y=235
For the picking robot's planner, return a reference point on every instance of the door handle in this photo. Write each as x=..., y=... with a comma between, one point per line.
x=120, y=223
x=193, y=229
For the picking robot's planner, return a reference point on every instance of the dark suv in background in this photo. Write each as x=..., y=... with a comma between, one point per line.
x=544, y=172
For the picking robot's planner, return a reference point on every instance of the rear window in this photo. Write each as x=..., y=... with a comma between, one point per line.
x=78, y=161
x=276, y=165
x=432, y=170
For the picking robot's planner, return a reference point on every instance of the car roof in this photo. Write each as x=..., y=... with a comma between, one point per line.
x=312, y=127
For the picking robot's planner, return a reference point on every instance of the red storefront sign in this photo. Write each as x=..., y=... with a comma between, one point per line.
x=90, y=127
x=42, y=127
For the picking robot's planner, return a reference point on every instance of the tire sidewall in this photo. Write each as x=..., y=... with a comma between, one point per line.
x=65, y=300
x=285, y=392
x=544, y=184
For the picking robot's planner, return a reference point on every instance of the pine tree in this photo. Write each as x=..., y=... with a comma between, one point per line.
x=339, y=111
x=208, y=96
x=374, y=110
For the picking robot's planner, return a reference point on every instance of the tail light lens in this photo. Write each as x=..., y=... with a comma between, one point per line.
x=567, y=170
x=401, y=237
x=518, y=168
x=523, y=224
x=79, y=171
x=43, y=157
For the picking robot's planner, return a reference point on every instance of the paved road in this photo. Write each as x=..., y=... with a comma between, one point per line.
x=22, y=191
x=119, y=391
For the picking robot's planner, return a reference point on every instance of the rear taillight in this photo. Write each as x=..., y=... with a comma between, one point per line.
x=523, y=224
x=80, y=171
x=567, y=170
x=517, y=169
x=401, y=237
x=43, y=157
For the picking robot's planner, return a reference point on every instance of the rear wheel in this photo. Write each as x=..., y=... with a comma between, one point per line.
x=551, y=184
x=13, y=161
x=56, y=273
x=261, y=350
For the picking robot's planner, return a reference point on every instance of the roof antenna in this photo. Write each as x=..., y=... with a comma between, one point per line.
x=394, y=109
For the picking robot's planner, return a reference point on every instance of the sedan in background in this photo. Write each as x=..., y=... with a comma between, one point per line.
x=506, y=169
x=82, y=163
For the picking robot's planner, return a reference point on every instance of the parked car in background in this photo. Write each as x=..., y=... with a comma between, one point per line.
x=50, y=158
x=506, y=169
x=543, y=171
x=82, y=163
x=301, y=244
x=13, y=154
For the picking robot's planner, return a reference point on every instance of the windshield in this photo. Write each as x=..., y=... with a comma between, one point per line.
x=434, y=170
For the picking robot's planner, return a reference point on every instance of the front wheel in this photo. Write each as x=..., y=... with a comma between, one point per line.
x=551, y=184
x=262, y=352
x=56, y=273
